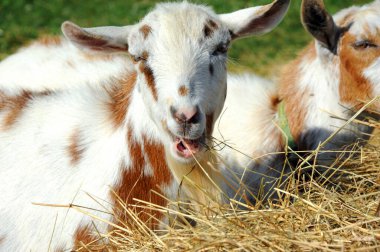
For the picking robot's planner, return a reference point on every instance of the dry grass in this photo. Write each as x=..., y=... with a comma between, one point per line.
x=312, y=215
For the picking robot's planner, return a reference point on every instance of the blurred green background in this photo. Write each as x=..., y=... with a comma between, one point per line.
x=25, y=20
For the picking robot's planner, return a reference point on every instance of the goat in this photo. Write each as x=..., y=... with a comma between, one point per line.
x=94, y=130
x=318, y=94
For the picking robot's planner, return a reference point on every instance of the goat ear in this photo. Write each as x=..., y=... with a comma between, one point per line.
x=320, y=24
x=106, y=38
x=255, y=20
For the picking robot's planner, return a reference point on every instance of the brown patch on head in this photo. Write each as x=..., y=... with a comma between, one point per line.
x=16, y=104
x=75, y=149
x=354, y=88
x=209, y=124
x=144, y=55
x=134, y=183
x=149, y=78
x=145, y=30
x=209, y=28
x=2, y=238
x=50, y=40
x=295, y=99
x=120, y=98
x=183, y=90
x=274, y=101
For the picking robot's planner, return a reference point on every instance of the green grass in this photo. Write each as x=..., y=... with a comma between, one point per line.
x=25, y=20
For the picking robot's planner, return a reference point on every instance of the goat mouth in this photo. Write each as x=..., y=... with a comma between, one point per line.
x=188, y=148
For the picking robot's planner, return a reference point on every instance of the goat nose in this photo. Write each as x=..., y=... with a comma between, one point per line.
x=189, y=115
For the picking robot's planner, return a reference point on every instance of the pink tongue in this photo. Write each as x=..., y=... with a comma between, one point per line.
x=187, y=147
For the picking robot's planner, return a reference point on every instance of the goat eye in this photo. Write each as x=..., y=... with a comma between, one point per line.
x=364, y=44
x=136, y=58
x=143, y=57
x=220, y=49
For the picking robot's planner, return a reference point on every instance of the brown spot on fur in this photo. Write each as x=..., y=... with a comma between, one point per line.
x=75, y=149
x=149, y=78
x=209, y=28
x=50, y=40
x=83, y=235
x=183, y=90
x=274, y=101
x=120, y=98
x=144, y=55
x=16, y=104
x=295, y=99
x=134, y=183
x=354, y=88
x=145, y=30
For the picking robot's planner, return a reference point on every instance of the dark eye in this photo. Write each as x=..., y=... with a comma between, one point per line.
x=136, y=58
x=220, y=49
x=142, y=57
x=364, y=44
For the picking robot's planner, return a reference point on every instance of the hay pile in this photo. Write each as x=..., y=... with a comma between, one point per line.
x=312, y=216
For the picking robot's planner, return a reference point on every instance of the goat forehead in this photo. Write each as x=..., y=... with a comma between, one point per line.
x=180, y=21
x=180, y=61
x=363, y=21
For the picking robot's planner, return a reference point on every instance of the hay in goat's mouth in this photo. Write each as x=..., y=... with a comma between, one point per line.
x=311, y=216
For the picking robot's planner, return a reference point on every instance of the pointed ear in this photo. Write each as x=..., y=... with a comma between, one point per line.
x=255, y=20
x=106, y=38
x=320, y=24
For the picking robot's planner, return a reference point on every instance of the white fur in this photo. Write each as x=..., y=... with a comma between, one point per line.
x=247, y=122
x=372, y=74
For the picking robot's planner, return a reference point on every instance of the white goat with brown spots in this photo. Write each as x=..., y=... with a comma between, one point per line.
x=77, y=126
x=319, y=92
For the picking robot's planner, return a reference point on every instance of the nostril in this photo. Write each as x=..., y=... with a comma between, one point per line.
x=195, y=118
x=188, y=115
